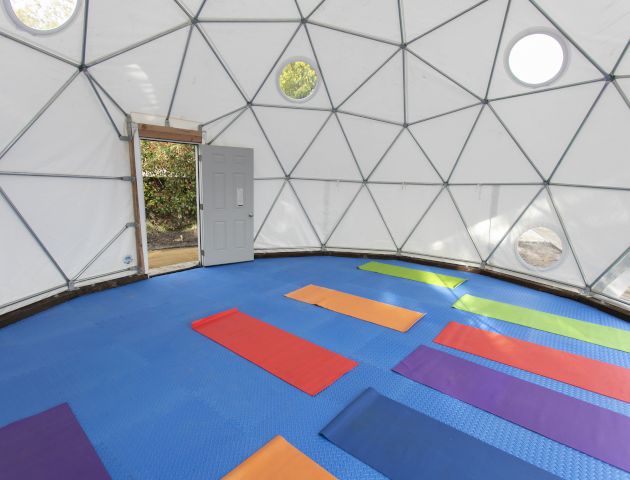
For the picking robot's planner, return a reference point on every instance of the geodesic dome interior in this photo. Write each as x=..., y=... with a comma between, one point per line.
x=435, y=129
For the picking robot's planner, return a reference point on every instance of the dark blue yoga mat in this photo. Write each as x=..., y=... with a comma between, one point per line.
x=402, y=443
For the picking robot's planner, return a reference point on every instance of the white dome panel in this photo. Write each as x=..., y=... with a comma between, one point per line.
x=290, y=143
x=362, y=227
x=599, y=154
x=442, y=234
x=325, y=202
x=287, y=225
x=402, y=205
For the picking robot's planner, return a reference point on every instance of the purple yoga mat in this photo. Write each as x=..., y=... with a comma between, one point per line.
x=48, y=446
x=598, y=432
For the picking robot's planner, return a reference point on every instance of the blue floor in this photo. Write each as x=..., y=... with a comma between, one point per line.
x=159, y=401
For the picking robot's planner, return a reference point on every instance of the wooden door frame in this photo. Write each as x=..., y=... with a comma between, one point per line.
x=145, y=131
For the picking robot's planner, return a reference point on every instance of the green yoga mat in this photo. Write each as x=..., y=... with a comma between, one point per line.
x=413, y=274
x=547, y=322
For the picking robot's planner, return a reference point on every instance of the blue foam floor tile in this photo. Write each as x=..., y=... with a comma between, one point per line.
x=160, y=401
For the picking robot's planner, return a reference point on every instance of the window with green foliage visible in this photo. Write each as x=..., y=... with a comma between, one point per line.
x=43, y=15
x=170, y=190
x=298, y=80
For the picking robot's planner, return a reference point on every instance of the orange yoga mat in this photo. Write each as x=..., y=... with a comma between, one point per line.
x=278, y=460
x=383, y=314
x=593, y=375
x=303, y=364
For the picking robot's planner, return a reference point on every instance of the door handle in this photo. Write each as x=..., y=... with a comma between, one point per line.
x=251, y=214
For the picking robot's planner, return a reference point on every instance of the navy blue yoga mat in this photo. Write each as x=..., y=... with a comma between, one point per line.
x=402, y=443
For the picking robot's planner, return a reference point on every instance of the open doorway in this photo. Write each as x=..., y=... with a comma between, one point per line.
x=169, y=175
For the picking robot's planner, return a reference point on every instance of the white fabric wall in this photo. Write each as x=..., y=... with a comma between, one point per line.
x=417, y=140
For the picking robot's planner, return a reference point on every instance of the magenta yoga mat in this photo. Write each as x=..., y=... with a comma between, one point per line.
x=593, y=430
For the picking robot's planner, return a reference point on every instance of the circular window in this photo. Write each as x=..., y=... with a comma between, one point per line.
x=42, y=16
x=298, y=80
x=539, y=247
x=536, y=59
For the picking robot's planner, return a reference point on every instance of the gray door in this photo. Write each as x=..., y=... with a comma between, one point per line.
x=226, y=204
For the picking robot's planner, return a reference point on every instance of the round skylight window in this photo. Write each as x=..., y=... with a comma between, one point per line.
x=298, y=80
x=539, y=247
x=42, y=16
x=537, y=59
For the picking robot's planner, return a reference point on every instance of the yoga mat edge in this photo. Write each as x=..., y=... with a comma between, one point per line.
x=405, y=444
x=548, y=322
x=582, y=372
x=303, y=364
x=600, y=433
x=423, y=276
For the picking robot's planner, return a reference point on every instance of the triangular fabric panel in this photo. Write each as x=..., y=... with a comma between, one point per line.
x=420, y=17
x=118, y=256
x=265, y=192
x=329, y=156
x=51, y=208
x=598, y=239
x=490, y=210
x=48, y=147
x=245, y=132
x=429, y=93
x=491, y=156
x=442, y=234
x=402, y=206
x=599, y=154
x=469, y=59
x=205, y=89
x=325, y=202
x=290, y=142
x=405, y=162
x=376, y=18
x=192, y=6
x=616, y=282
x=66, y=42
x=624, y=84
x=29, y=271
x=624, y=65
x=524, y=18
x=118, y=116
x=298, y=49
x=369, y=139
x=34, y=79
x=287, y=225
x=249, y=9
x=544, y=123
x=362, y=227
x=307, y=6
x=346, y=60
x=442, y=138
x=600, y=29
x=540, y=214
x=213, y=129
x=142, y=19
x=581, y=210
x=387, y=86
x=264, y=42
x=143, y=79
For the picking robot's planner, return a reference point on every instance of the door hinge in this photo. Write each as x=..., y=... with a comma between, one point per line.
x=201, y=206
x=202, y=252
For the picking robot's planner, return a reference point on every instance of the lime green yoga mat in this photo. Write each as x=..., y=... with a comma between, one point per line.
x=547, y=322
x=413, y=274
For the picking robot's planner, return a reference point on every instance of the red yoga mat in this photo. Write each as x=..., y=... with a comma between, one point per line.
x=593, y=375
x=303, y=364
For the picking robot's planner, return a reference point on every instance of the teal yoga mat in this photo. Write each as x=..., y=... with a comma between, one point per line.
x=413, y=274
x=568, y=327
